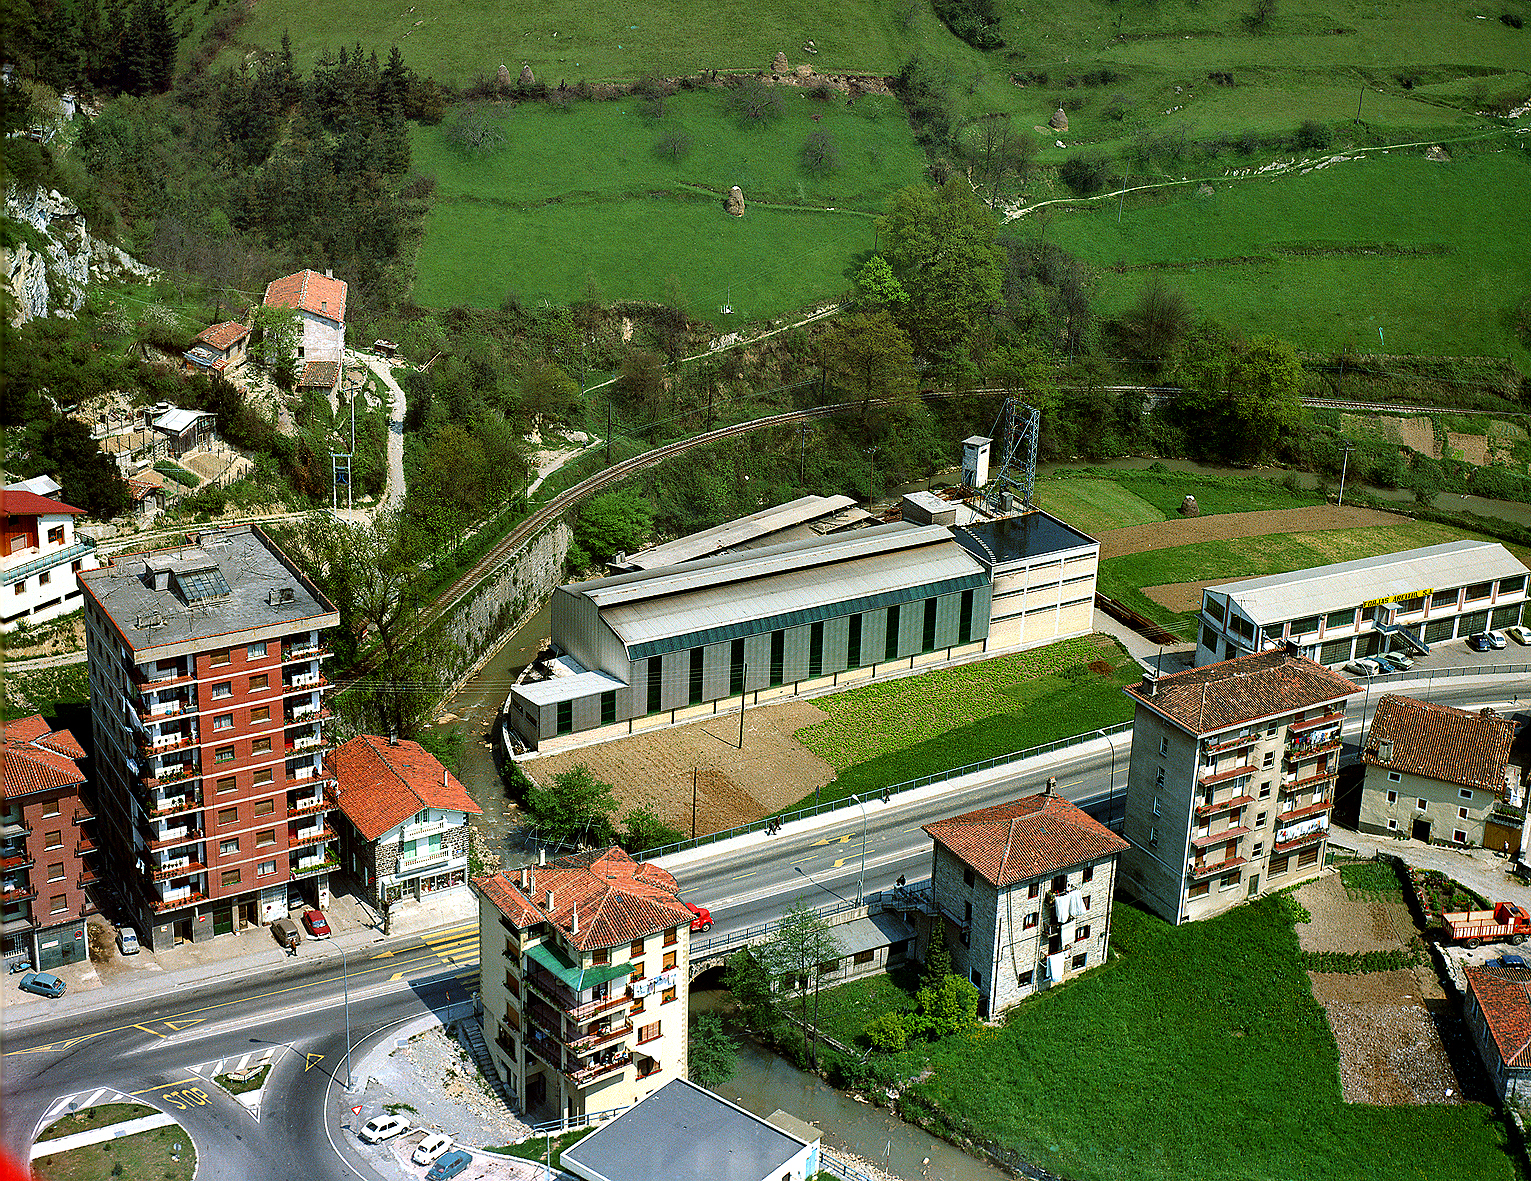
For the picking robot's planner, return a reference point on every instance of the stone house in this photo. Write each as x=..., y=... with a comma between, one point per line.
x=1024, y=890
x=1438, y=773
x=403, y=819
x=1498, y=1012
x=321, y=304
x=219, y=349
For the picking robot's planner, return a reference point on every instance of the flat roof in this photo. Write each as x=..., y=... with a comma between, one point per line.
x=230, y=583
x=737, y=532
x=682, y=1130
x=567, y=688
x=870, y=933
x=1276, y=598
x=715, y=599
x=1026, y=535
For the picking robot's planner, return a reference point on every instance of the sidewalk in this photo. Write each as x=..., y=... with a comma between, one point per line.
x=247, y=955
x=1480, y=869
x=1176, y=656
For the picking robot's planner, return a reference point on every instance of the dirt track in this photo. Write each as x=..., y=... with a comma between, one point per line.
x=1137, y=539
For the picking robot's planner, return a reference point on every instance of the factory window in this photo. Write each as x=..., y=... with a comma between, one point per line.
x=694, y=684
x=928, y=635
x=853, y=644
x=778, y=656
x=655, y=665
x=816, y=649
x=1443, y=599
x=1512, y=586
x=608, y=707
x=565, y=717
x=1479, y=590
x=890, y=645
x=736, y=667
x=965, y=618
x=1340, y=619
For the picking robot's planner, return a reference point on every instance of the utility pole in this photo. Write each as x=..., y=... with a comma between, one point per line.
x=608, y=434
x=1344, y=467
x=743, y=693
x=802, y=454
x=871, y=475
x=693, y=801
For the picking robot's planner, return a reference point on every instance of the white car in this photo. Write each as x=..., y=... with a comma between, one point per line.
x=430, y=1148
x=127, y=939
x=1402, y=659
x=1363, y=667
x=1521, y=635
x=1496, y=640
x=383, y=1127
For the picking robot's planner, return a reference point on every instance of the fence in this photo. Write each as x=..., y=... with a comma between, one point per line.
x=908, y=785
x=836, y=1167
x=1422, y=674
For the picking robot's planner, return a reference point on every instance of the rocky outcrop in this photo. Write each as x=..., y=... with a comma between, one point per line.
x=734, y=202
x=55, y=257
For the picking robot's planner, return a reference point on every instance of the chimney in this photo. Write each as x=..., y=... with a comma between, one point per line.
x=443, y=777
x=393, y=738
x=542, y=855
x=329, y=272
x=549, y=897
x=1052, y=785
x=574, y=929
x=526, y=878
x=1385, y=751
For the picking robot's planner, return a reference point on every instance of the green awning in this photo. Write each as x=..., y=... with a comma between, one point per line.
x=551, y=957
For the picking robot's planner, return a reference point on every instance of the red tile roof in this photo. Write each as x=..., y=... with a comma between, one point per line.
x=26, y=504
x=35, y=758
x=616, y=898
x=1032, y=837
x=1504, y=995
x=310, y=291
x=379, y=786
x=222, y=336
x=1439, y=742
x=320, y=375
x=1234, y=692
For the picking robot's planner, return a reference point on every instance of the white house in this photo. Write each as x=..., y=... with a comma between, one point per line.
x=39, y=557
x=321, y=303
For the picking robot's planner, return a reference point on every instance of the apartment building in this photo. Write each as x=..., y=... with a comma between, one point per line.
x=40, y=556
x=584, y=974
x=1231, y=781
x=1025, y=891
x=1436, y=773
x=207, y=705
x=47, y=855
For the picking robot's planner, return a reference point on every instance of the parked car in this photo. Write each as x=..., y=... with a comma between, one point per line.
x=127, y=940
x=318, y=926
x=286, y=933
x=449, y=1166
x=383, y=1127
x=1521, y=635
x=1386, y=663
x=1509, y=960
x=295, y=899
x=1496, y=640
x=434, y=1144
x=702, y=917
x=1479, y=642
x=1363, y=667
x=43, y=984
x=1402, y=659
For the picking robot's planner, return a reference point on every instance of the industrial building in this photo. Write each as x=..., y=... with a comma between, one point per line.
x=207, y=706
x=1396, y=602
x=802, y=519
x=1231, y=781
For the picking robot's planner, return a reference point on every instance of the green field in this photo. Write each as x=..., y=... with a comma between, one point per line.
x=584, y=192
x=1099, y=503
x=1198, y=1052
x=1330, y=257
x=889, y=732
x=1248, y=557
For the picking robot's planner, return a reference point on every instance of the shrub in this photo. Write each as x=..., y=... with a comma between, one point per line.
x=972, y=20
x=821, y=155
x=1511, y=18
x=1313, y=136
x=1085, y=174
x=888, y=1032
x=756, y=103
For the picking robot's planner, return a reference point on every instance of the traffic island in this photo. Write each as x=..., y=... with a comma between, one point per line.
x=127, y=1140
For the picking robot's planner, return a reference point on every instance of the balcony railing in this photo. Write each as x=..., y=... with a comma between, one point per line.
x=1201, y=869
x=309, y=836
x=1227, y=805
x=588, y=1074
x=171, y=899
x=593, y=1041
x=189, y=802
x=1206, y=777
x=82, y=546
x=88, y=876
x=1232, y=743
x=181, y=867
x=164, y=745
x=1283, y=818
x=294, y=652
x=1227, y=834
x=549, y=1049
x=1296, y=753
x=317, y=865
x=1307, y=838
x=84, y=845
x=303, y=682
x=1318, y=723
x=309, y=807
x=18, y=894
x=564, y=1000
x=169, y=840
x=82, y=814
x=307, y=742
x=15, y=861
x=153, y=682
x=1296, y=784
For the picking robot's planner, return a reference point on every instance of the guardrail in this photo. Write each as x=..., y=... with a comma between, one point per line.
x=1429, y=674
x=738, y=938
x=908, y=785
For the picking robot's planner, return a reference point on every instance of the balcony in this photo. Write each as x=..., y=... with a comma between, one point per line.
x=82, y=814
x=588, y=1074
x=151, y=748
x=1212, y=809
x=1227, y=744
x=294, y=652
x=14, y=828
x=1294, y=784
x=593, y=1041
x=1302, y=813
x=506, y=1043
x=172, y=899
x=165, y=709
x=169, y=839
x=549, y=1049
x=14, y=861
x=1307, y=838
x=317, y=713
x=308, y=807
x=1209, y=778
x=12, y=894
x=314, y=865
x=153, y=682
x=181, y=867
x=1310, y=724
x=566, y=1002
x=1199, y=869
x=304, y=683
x=650, y=1070
x=188, y=802
x=443, y=858
x=296, y=838
x=84, y=845
x=307, y=742
x=88, y=877
x=1227, y=834
x=152, y=778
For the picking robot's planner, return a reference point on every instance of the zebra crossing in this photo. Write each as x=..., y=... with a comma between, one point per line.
x=457, y=945
x=254, y=1060
x=80, y=1100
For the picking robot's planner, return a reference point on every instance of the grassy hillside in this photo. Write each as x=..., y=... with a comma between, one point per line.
x=585, y=192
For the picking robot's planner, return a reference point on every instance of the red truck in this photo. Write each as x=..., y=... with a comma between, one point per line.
x=1505, y=922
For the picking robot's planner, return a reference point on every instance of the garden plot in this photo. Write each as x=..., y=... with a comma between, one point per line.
x=1390, y=1026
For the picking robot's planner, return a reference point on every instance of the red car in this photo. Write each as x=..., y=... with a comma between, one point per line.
x=317, y=926
x=703, y=917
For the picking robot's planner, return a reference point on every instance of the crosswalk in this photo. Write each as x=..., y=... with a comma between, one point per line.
x=80, y=1100
x=457, y=945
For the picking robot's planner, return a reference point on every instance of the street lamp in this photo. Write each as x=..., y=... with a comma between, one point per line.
x=1111, y=789
x=821, y=885
x=861, y=881
x=345, y=980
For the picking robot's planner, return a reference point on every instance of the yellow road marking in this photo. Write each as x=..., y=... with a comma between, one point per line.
x=800, y=860
x=312, y=1058
x=751, y=874
x=845, y=840
x=180, y=1025
x=155, y=1032
x=383, y=955
x=181, y=1082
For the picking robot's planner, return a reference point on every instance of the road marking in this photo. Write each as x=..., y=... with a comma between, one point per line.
x=383, y=955
x=835, y=840
x=751, y=874
x=312, y=1059
x=800, y=860
x=180, y=1025
x=155, y=1032
x=178, y=1083
x=839, y=863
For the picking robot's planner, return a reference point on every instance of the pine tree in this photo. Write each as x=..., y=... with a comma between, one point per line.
x=938, y=961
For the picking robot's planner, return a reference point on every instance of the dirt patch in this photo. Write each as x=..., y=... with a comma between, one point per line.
x=1180, y=596
x=1472, y=448
x=1387, y=1024
x=733, y=786
x=1137, y=539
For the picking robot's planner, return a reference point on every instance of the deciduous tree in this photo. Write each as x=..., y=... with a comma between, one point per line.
x=1238, y=396
x=712, y=1056
x=575, y=807
x=796, y=954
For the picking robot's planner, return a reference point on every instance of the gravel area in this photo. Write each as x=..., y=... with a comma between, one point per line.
x=1391, y=1027
x=436, y=1077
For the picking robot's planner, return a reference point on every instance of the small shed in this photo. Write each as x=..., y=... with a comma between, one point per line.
x=186, y=430
x=320, y=375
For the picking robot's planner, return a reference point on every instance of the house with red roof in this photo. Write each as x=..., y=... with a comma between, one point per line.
x=1498, y=1012
x=219, y=349
x=1023, y=890
x=584, y=969
x=47, y=853
x=403, y=819
x=40, y=555
x=321, y=304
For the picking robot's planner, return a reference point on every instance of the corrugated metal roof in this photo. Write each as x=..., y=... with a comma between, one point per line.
x=556, y=689
x=731, y=534
x=703, y=603
x=1275, y=598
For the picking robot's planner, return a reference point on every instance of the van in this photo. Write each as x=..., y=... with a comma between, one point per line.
x=1363, y=667
x=287, y=933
